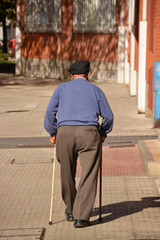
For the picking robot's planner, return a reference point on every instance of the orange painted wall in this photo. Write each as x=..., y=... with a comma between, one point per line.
x=68, y=45
x=153, y=45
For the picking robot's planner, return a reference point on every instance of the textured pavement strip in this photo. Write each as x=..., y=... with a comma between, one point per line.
x=121, y=161
x=41, y=142
x=27, y=234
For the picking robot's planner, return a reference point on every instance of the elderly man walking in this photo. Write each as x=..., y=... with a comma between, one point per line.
x=72, y=120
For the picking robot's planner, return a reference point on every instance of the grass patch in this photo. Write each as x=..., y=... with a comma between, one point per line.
x=3, y=56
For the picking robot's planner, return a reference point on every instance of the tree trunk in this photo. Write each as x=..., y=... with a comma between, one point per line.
x=4, y=35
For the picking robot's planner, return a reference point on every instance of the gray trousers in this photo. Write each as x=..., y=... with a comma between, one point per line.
x=82, y=142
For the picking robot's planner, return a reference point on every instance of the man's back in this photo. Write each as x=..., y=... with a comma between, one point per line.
x=78, y=103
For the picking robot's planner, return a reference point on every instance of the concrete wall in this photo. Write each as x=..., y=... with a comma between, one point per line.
x=56, y=68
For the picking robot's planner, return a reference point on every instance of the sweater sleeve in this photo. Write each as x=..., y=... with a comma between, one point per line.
x=50, y=120
x=106, y=114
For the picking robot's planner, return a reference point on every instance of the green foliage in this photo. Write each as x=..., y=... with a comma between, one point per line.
x=7, y=9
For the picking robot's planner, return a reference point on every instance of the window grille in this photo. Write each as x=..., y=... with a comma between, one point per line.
x=42, y=16
x=94, y=16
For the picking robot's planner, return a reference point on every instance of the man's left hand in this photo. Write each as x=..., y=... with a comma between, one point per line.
x=53, y=140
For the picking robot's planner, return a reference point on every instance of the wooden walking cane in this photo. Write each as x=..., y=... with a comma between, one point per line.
x=53, y=180
x=100, y=186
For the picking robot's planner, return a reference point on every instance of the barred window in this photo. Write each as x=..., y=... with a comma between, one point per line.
x=42, y=16
x=94, y=16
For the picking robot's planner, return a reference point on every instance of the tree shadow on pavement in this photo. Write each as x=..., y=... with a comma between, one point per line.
x=13, y=80
x=121, y=209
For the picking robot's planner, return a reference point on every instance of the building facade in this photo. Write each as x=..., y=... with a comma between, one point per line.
x=55, y=33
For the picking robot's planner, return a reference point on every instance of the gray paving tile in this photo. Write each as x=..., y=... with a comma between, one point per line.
x=130, y=205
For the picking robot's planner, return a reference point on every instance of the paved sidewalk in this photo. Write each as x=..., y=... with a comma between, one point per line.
x=130, y=195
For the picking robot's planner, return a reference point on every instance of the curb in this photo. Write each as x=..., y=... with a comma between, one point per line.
x=153, y=167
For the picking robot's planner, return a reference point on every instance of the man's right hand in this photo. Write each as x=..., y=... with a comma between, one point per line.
x=53, y=140
x=103, y=138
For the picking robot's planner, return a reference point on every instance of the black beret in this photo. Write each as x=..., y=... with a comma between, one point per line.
x=79, y=67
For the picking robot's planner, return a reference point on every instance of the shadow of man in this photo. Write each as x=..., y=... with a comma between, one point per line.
x=118, y=210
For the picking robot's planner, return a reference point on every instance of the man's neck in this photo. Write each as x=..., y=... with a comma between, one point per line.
x=80, y=76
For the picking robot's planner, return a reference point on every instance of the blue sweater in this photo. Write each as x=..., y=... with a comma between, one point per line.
x=77, y=103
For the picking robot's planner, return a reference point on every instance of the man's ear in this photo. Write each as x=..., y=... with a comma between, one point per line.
x=72, y=76
x=88, y=74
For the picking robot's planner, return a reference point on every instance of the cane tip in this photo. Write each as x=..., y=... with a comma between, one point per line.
x=100, y=219
x=50, y=222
